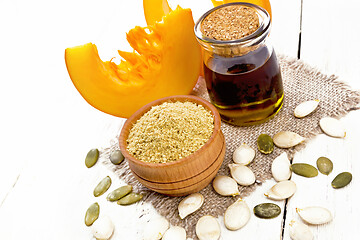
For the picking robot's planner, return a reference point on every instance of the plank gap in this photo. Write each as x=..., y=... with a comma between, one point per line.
x=299, y=41
x=284, y=220
x=12, y=187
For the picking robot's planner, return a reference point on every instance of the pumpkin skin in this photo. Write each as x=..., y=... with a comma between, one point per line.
x=166, y=61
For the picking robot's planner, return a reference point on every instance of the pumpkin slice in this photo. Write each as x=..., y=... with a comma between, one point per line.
x=154, y=10
x=166, y=61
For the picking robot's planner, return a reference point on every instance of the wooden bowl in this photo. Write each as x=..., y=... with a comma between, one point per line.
x=186, y=175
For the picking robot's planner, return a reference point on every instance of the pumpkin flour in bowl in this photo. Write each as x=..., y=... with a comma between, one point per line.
x=170, y=131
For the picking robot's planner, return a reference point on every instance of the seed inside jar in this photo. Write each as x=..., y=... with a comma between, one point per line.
x=170, y=131
x=230, y=23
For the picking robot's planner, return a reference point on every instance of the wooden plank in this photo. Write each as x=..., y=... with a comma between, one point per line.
x=285, y=26
x=318, y=191
x=328, y=41
x=54, y=189
x=330, y=37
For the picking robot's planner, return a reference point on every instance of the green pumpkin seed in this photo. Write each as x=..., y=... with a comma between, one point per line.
x=91, y=157
x=116, y=157
x=267, y=210
x=341, y=180
x=102, y=187
x=130, y=199
x=324, y=165
x=92, y=214
x=119, y=193
x=265, y=144
x=304, y=169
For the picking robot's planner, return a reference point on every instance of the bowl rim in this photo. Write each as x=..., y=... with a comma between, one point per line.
x=139, y=113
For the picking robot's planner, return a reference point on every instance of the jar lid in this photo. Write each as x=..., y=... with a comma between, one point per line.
x=238, y=34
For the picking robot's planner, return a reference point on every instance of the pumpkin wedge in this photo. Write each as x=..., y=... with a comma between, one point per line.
x=166, y=61
x=154, y=10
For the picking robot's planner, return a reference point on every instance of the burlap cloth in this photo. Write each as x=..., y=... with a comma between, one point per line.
x=301, y=83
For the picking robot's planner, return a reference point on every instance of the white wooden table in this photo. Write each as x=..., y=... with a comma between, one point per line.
x=47, y=128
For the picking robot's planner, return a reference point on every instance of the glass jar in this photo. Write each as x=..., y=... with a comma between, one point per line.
x=243, y=77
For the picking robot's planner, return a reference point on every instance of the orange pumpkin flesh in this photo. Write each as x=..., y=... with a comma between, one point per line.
x=154, y=10
x=166, y=61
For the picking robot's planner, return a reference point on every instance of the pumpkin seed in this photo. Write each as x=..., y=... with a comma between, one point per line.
x=190, y=204
x=324, y=165
x=280, y=168
x=225, y=186
x=267, y=210
x=156, y=228
x=91, y=157
x=243, y=154
x=130, y=199
x=300, y=231
x=237, y=215
x=265, y=144
x=287, y=139
x=175, y=233
x=92, y=213
x=282, y=190
x=103, y=228
x=116, y=157
x=207, y=228
x=315, y=215
x=341, y=180
x=304, y=169
x=102, y=186
x=305, y=108
x=119, y=193
x=242, y=174
x=332, y=127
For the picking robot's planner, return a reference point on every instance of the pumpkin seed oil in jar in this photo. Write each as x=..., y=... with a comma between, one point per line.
x=244, y=89
x=241, y=71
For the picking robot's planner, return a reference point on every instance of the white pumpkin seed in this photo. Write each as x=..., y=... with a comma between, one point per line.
x=242, y=174
x=243, y=154
x=332, y=127
x=282, y=190
x=175, y=233
x=156, y=228
x=287, y=139
x=103, y=228
x=225, y=186
x=315, y=215
x=280, y=168
x=190, y=204
x=300, y=231
x=305, y=108
x=207, y=228
x=237, y=215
